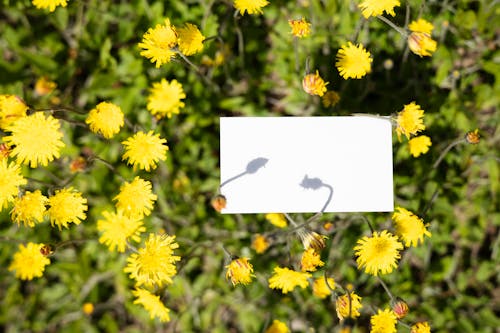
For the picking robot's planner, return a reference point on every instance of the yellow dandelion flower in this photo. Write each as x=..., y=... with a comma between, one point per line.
x=421, y=44
x=419, y=145
x=154, y=264
x=310, y=261
x=377, y=7
x=67, y=206
x=29, y=209
x=29, y=262
x=260, y=244
x=421, y=25
x=300, y=28
x=330, y=98
x=44, y=86
x=49, y=4
x=117, y=229
x=409, y=227
x=105, y=119
x=422, y=327
x=11, y=109
x=144, y=151
x=311, y=239
x=378, y=254
x=88, y=308
x=158, y=43
x=10, y=180
x=136, y=199
x=410, y=120
x=277, y=327
x=239, y=271
x=165, y=98
x=190, y=39
x=287, y=279
x=313, y=84
x=320, y=288
x=383, y=322
x=277, y=219
x=35, y=139
x=353, y=61
x=348, y=306
x=250, y=6
x=152, y=304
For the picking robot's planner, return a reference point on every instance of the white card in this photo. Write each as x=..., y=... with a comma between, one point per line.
x=306, y=164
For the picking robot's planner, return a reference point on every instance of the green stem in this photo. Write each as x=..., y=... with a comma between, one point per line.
x=446, y=150
x=392, y=25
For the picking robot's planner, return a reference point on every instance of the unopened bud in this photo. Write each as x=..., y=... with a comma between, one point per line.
x=400, y=308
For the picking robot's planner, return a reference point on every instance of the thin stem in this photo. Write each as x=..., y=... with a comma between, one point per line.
x=392, y=25
x=296, y=54
x=446, y=150
x=386, y=289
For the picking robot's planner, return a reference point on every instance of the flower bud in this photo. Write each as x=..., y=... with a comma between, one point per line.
x=400, y=308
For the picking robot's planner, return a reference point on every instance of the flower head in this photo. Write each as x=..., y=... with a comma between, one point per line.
x=348, y=306
x=311, y=239
x=154, y=264
x=400, y=308
x=300, y=28
x=239, y=271
x=310, y=261
x=287, y=279
x=136, y=199
x=409, y=227
x=421, y=44
x=190, y=39
x=158, y=43
x=88, y=308
x=260, y=244
x=421, y=25
x=473, y=137
x=29, y=209
x=152, y=304
x=145, y=150
x=377, y=7
x=116, y=229
x=330, y=98
x=353, y=61
x=44, y=86
x=419, y=145
x=320, y=288
x=165, y=98
x=66, y=206
x=219, y=202
x=313, y=84
x=410, y=120
x=383, y=322
x=277, y=327
x=29, y=262
x=10, y=180
x=36, y=139
x=250, y=6
x=277, y=219
x=422, y=327
x=11, y=109
x=106, y=119
x=378, y=253
x=50, y=4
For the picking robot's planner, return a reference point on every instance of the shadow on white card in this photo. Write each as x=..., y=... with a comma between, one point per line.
x=306, y=164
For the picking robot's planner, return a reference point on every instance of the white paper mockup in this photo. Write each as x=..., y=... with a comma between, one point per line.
x=306, y=164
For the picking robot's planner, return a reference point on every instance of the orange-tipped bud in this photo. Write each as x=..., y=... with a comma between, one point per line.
x=400, y=308
x=219, y=202
x=473, y=137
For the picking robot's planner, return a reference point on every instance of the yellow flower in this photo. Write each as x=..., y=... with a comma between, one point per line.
x=310, y=261
x=409, y=227
x=410, y=120
x=473, y=137
x=10, y=180
x=152, y=304
x=154, y=264
x=29, y=262
x=320, y=289
x=421, y=25
x=88, y=308
x=239, y=271
x=378, y=253
x=287, y=279
x=353, y=61
x=383, y=322
x=11, y=109
x=330, y=98
x=190, y=39
x=158, y=43
x=67, y=206
x=277, y=219
x=348, y=306
x=145, y=150
x=300, y=28
x=313, y=84
x=277, y=327
x=44, y=86
x=421, y=44
x=29, y=209
x=422, y=327
x=250, y=6
x=165, y=98
x=50, y=4
x=260, y=244
x=106, y=119
x=419, y=145
x=116, y=230
x=377, y=7
x=136, y=199
x=36, y=139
